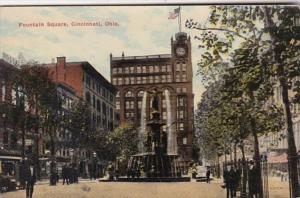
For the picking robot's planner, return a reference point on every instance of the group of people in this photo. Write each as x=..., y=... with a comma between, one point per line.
x=69, y=174
x=232, y=177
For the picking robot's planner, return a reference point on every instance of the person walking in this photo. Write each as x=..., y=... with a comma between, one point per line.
x=229, y=180
x=208, y=175
x=30, y=177
x=64, y=175
x=253, y=180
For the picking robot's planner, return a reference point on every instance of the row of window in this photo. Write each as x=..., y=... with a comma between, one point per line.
x=144, y=80
x=129, y=104
x=97, y=103
x=142, y=69
x=93, y=84
x=130, y=94
x=181, y=114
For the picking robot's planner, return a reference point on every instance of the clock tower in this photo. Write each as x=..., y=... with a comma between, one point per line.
x=181, y=62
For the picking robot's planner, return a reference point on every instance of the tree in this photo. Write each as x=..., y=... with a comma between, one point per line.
x=270, y=33
x=78, y=121
x=39, y=91
x=124, y=141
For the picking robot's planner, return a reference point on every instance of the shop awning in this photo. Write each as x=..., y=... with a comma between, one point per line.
x=9, y=157
x=278, y=158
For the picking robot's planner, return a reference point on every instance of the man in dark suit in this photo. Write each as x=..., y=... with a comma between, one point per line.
x=30, y=177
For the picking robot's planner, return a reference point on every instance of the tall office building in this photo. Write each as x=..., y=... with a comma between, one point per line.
x=134, y=75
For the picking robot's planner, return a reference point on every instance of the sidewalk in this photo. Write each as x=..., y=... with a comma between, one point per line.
x=277, y=189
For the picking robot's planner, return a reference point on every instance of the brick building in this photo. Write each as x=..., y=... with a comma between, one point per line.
x=81, y=80
x=133, y=75
x=10, y=141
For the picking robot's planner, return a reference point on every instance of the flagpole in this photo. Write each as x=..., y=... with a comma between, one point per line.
x=179, y=19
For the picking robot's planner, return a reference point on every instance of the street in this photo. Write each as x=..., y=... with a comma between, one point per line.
x=95, y=189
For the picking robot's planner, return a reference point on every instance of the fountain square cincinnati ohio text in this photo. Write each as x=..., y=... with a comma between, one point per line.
x=68, y=24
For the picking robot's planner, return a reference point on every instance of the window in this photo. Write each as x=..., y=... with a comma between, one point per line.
x=163, y=78
x=178, y=67
x=180, y=102
x=184, y=140
x=114, y=71
x=164, y=68
x=181, y=126
x=129, y=115
x=151, y=70
x=120, y=81
x=88, y=81
x=131, y=69
x=183, y=67
x=131, y=104
x=129, y=94
x=156, y=80
x=118, y=94
x=180, y=114
x=118, y=105
x=169, y=68
x=131, y=80
x=184, y=90
x=140, y=93
x=150, y=79
x=184, y=78
x=138, y=80
x=138, y=69
x=126, y=81
x=169, y=78
x=94, y=101
x=177, y=78
x=127, y=105
x=139, y=104
x=144, y=69
x=156, y=68
x=88, y=97
x=144, y=80
x=126, y=70
x=120, y=70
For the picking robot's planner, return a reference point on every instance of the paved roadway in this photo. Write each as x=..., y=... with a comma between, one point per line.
x=94, y=189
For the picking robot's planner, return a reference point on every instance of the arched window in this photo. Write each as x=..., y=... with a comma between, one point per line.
x=129, y=94
x=88, y=97
x=141, y=93
x=98, y=106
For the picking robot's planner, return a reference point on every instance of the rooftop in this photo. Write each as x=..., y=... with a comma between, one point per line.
x=141, y=57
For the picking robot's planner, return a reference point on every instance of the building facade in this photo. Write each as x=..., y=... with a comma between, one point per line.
x=135, y=75
x=80, y=80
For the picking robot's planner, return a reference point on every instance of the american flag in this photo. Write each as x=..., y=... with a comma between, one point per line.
x=174, y=14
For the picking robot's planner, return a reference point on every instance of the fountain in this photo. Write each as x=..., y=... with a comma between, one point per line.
x=158, y=161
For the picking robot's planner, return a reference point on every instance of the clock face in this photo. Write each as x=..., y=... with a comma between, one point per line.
x=180, y=51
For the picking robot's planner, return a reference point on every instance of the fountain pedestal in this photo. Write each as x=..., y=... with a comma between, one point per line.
x=155, y=164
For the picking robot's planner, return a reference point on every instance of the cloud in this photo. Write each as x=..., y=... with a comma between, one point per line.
x=142, y=30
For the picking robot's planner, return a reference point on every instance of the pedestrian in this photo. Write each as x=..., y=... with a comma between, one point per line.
x=30, y=177
x=208, y=175
x=64, y=175
x=229, y=180
x=22, y=174
x=253, y=180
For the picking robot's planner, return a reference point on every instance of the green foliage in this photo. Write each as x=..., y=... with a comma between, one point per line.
x=78, y=121
x=240, y=63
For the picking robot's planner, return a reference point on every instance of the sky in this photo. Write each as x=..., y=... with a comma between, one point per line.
x=141, y=30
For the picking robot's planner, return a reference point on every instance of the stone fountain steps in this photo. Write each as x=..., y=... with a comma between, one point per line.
x=143, y=179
